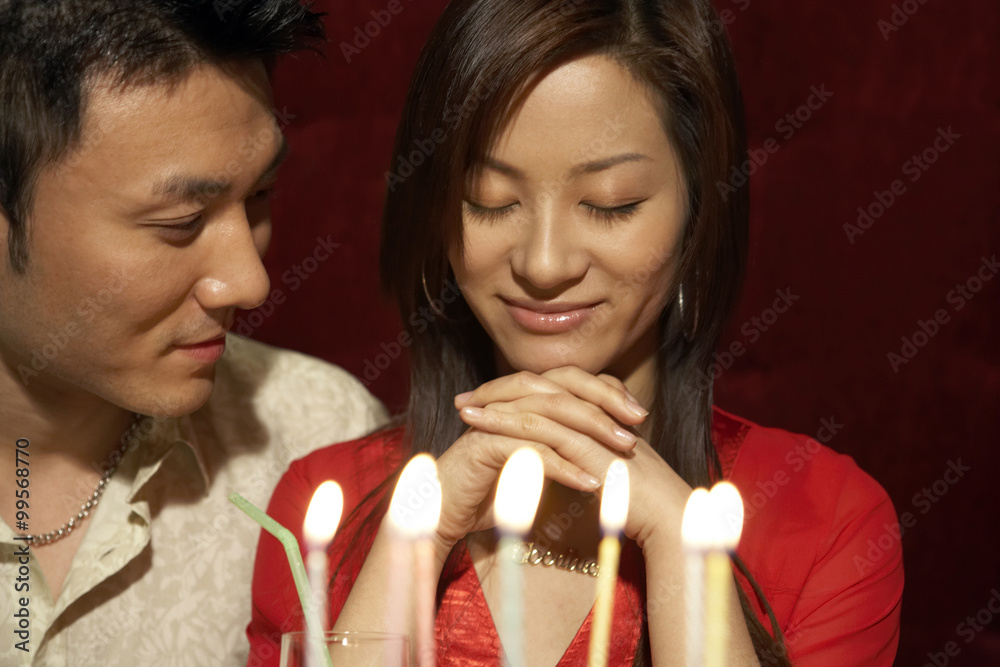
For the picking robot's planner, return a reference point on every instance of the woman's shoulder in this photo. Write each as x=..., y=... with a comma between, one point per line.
x=385, y=442
x=774, y=464
x=357, y=466
x=820, y=537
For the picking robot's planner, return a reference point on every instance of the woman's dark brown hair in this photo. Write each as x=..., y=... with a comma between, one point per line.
x=479, y=62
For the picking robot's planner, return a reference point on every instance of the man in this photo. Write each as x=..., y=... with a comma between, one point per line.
x=137, y=151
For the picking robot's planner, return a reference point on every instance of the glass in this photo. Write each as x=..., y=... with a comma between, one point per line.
x=348, y=649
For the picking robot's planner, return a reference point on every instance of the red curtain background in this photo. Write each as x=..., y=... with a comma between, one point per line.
x=903, y=125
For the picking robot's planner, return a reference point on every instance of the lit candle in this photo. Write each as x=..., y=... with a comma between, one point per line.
x=319, y=527
x=413, y=516
x=726, y=526
x=518, y=491
x=614, y=511
x=694, y=538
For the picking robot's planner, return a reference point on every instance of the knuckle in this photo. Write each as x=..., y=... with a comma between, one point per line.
x=612, y=380
x=555, y=402
x=499, y=406
x=525, y=378
x=529, y=425
x=473, y=439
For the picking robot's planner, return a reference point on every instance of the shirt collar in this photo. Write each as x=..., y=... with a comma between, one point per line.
x=158, y=438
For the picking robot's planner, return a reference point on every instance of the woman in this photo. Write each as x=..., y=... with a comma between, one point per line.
x=576, y=193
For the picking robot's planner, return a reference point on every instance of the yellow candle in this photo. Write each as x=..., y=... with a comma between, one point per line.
x=717, y=576
x=727, y=525
x=614, y=511
x=518, y=491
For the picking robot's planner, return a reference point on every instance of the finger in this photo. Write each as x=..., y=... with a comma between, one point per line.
x=490, y=451
x=508, y=388
x=603, y=390
x=577, y=448
x=617, y=384
x=571, y=412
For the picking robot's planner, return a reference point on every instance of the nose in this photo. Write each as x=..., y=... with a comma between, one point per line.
x=235, y=277
x=549, y=253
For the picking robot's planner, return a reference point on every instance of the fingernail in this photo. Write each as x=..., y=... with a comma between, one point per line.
x=475, y=413
x=625, y=435
x=463, y=397
x=634, y=406
x=588, y=480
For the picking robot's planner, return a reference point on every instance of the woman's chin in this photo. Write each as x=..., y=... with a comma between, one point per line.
x=541, y=360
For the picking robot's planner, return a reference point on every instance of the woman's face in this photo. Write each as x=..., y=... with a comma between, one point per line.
x=573, y=224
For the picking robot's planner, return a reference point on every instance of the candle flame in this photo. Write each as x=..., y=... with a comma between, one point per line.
x=518, y=491
x=323, y=515
x=416, y=503
x=614, y=498
x=713, y=520
x=695, y=529
x=728, y=507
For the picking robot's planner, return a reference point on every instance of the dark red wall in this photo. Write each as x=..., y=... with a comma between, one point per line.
x=890, y=93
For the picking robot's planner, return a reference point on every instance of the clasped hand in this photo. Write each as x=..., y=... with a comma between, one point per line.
x=579, y=423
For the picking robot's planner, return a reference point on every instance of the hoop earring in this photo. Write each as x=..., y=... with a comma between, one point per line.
x=680, y=314
x=427, y=295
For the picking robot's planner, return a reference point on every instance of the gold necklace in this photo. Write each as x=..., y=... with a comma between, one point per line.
x=530, y=553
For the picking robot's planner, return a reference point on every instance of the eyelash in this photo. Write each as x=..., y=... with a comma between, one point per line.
x=606, y=215
x=192, y=225
x=182, y=230
x=488, y=214
x=610, y=215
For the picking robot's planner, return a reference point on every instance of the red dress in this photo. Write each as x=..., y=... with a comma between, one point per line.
x=820, y=537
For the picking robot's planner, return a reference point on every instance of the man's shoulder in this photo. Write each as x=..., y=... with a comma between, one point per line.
x=298, y=400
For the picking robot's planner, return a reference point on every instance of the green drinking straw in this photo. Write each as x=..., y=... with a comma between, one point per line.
x=294, y=562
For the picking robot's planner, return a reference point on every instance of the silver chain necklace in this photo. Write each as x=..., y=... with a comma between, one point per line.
x=91, y=502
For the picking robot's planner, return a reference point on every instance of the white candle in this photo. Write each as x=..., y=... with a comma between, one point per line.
x=614, y=512
x=413, y=515
x=726, y=526
x=518, y=491
x=322, y=519
x=694, y=538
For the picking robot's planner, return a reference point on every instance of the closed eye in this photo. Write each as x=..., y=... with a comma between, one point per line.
x=181, y=231
x=613, y=213
x=488, y=213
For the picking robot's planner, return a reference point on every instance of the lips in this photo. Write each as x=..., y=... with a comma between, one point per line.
x=207, y=351
x=543, y=317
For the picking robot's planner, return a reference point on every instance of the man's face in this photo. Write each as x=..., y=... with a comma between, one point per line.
x=143, y=241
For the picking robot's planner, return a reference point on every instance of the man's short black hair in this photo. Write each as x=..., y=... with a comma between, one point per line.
x=52, y=50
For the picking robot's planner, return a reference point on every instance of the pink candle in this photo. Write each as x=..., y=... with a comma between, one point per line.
x=413, y=516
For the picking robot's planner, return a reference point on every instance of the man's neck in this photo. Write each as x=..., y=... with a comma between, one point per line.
x=63, y=422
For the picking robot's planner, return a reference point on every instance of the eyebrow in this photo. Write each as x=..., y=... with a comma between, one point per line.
x=584, y=168
x=190, y=189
